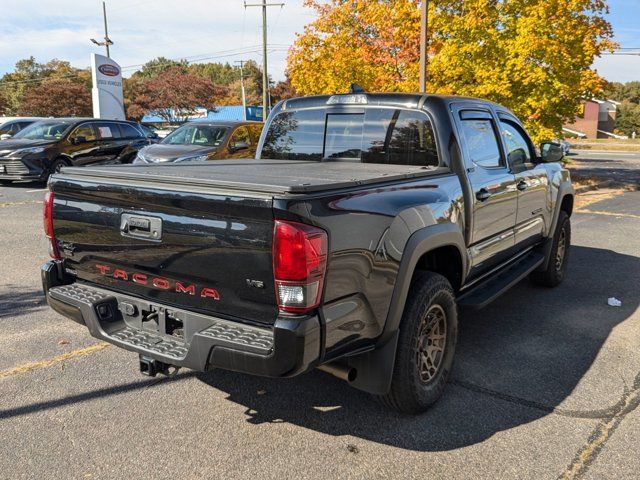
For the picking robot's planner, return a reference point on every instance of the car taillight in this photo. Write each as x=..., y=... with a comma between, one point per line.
x=299, y=264
x=47, y=214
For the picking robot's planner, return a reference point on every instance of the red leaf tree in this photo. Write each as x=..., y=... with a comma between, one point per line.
x=56, y=98
x=172, y=95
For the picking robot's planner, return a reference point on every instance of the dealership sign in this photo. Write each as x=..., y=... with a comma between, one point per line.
x=108, y=101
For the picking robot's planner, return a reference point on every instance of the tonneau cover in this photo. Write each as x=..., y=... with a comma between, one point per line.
x=269, y=176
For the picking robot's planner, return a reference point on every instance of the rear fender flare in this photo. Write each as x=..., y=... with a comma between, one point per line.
x=375, y=368
x=421, y=242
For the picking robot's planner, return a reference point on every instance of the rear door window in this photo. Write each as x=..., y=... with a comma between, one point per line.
x=129, y=131
x=480, y=138
x=108, y=131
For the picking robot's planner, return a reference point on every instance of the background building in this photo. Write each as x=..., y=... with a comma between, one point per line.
x=597, y=119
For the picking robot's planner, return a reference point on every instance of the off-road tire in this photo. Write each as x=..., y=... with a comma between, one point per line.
x=430, y=295
x=555, y=272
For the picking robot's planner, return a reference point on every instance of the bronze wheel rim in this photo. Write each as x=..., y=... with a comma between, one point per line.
x=430, y=345
x=561, y=250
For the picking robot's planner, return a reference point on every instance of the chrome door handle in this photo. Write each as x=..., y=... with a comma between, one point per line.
x=483, y=194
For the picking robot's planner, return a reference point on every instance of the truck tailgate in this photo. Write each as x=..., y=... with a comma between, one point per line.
x=208, y=252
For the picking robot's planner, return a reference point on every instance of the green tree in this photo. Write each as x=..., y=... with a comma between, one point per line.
x=628, y=118
x=28, y=73
x=159, y=65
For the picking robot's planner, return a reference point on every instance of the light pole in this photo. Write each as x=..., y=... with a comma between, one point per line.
x=265, y=76
x=424, y=14
x=107, y=40
x=244, y=97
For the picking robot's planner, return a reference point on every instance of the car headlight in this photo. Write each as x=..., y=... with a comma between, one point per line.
x=26, y=151
x=194, y=158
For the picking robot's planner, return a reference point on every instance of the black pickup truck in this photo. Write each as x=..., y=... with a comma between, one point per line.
x=348, y=244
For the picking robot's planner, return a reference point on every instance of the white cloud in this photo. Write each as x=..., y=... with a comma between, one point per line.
x=618, y=68
x=146, y=29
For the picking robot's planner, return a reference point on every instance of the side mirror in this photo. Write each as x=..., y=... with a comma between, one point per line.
x=551, y=152
x=78, y=140
x=5, y=136
x=235, y=146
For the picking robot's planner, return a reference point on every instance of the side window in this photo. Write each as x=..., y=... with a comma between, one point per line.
x=129, y=131
x=482, y=144
x=400, y=137
x=241, y=134
x=518, y=149
x=85, y=130
x=108, y=131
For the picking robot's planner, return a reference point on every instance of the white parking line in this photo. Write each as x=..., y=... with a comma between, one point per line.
x=600, y=152
x=38, y=190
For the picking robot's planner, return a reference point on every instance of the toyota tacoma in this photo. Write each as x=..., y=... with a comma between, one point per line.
x=349, y=243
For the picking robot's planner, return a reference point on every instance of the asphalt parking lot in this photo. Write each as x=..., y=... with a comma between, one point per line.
x=546, y=384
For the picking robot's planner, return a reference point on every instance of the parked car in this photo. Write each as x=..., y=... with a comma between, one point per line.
x=204, y=141
x=46, y=146
x=10, y=128
x=348, y=244
x=566, y=147
x=150, y=132
x=166, y=130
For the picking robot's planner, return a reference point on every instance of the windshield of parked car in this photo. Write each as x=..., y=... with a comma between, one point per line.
x=53, y=130
x=204, y=135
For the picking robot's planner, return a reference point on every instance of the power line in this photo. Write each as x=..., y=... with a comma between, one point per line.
x=191, y=60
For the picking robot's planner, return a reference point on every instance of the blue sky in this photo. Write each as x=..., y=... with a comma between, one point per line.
x=215, y=30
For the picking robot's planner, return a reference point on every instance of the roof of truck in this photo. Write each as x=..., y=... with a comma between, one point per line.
x=403, y=99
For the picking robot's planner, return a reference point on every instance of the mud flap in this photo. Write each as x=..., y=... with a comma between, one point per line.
x=375, y=368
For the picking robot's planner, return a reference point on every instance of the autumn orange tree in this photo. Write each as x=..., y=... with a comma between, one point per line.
x=533, y=56
x=174, y=95
x=56, y=97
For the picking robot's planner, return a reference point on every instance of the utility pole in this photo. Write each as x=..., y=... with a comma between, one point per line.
x=244, y=98
x=107, y=40
x=265, y=76
x=424, y=14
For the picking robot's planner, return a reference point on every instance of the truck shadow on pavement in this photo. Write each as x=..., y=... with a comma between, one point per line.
x=517, y=361
x=15, y=302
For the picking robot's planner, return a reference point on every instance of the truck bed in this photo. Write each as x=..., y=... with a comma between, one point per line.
x=265, y=176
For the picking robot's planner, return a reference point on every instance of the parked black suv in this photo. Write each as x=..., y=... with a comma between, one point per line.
x=46, y=146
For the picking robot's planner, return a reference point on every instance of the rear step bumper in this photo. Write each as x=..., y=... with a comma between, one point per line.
x=290, y=347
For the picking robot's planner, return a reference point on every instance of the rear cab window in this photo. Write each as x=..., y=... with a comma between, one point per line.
x=393, y=136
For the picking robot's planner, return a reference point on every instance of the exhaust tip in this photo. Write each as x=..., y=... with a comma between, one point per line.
x=342, y=372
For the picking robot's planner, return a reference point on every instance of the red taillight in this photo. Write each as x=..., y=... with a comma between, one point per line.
x=47, y=214
x=299, y=264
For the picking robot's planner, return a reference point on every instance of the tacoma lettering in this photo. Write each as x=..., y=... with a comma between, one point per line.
x=159, y=283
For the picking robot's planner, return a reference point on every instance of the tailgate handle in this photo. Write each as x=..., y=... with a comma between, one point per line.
x=139, y=226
